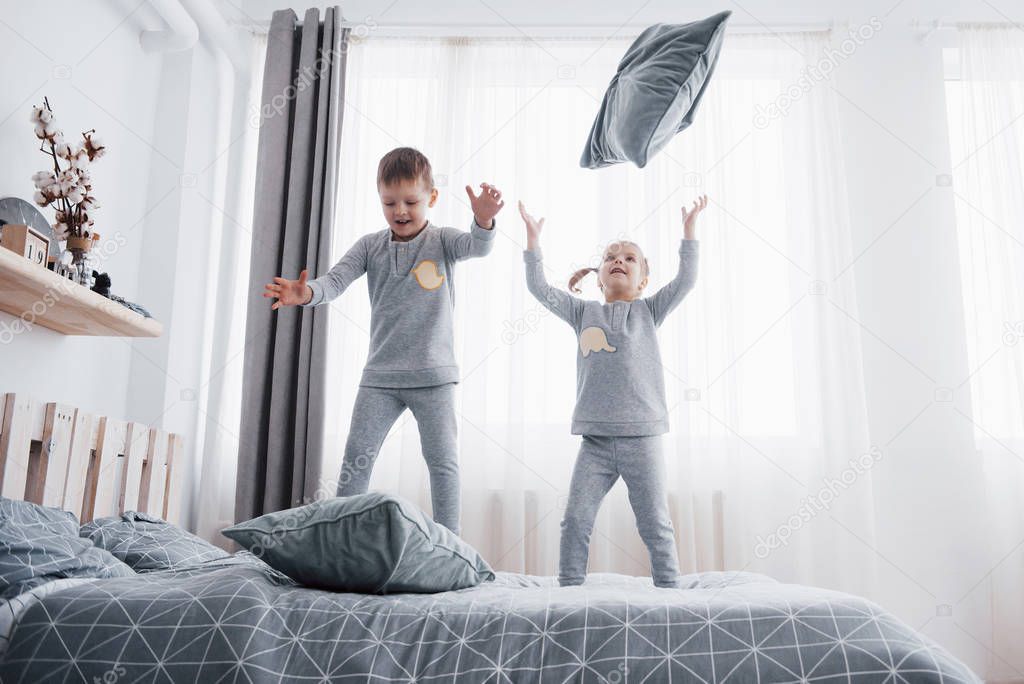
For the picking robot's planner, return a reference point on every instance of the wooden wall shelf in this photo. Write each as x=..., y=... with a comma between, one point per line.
x=59, y=304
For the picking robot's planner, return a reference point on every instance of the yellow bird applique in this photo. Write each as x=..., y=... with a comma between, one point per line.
x=428, y=275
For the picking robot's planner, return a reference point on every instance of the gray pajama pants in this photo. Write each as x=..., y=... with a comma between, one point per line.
x=600, y=463
x=376, y=410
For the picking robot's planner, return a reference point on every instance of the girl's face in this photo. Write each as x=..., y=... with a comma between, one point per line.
x=405, y=205
x=622, y=274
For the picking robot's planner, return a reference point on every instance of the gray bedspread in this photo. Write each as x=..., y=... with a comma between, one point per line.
x=236, y=620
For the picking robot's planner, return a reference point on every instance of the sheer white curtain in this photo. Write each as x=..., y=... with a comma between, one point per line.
x=220, y=396
x=762, y=360
x=986, y=108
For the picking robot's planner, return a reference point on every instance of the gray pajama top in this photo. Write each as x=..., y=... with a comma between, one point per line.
x=412, y=297
x=620, y=384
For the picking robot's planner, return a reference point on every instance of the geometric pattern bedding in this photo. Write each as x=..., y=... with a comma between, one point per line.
x=39, y=544
x=236, y=620
x=145, y=542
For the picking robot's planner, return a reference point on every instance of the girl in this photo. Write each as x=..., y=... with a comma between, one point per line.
x=620, y=392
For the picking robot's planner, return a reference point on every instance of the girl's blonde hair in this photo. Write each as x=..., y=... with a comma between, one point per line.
x=582, y=273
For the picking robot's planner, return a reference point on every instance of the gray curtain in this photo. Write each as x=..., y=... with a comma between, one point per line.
x=281, y=439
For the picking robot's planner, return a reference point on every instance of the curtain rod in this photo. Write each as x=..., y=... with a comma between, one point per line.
x=599, y=31
x=600, y=27
x=923, y=25
x=929, y=28
x=543, y=30
x=950, y=24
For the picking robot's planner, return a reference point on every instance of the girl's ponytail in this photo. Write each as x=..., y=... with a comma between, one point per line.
x=578, y=276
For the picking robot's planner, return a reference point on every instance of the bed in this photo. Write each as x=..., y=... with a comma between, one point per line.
x=236, y=619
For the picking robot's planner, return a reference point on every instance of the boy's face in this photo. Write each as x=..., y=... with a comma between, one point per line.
x=405, y=205
x=622, y=273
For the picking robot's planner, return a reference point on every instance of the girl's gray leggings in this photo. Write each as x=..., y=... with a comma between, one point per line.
x=600, y=463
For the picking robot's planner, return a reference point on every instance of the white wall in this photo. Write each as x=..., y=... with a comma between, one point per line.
x=89, y=81
x=166, y=119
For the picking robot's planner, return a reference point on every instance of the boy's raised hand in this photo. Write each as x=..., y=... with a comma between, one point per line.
x=533, y=227
x=690, y=217
x=486, y=205
x=289, y=292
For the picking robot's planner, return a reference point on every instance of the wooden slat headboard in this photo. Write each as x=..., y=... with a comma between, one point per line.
x=58, y=455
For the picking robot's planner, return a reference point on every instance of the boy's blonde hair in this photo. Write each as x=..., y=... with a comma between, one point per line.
x=582, y=273
x=405, y=163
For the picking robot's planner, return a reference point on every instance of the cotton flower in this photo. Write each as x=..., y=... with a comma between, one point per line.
x=41, y=115
x=46, y=131
x=69, y=189
x=67, y=181
x=81, y=158
x=66, y=151
x=43, y=179
x=94, y=146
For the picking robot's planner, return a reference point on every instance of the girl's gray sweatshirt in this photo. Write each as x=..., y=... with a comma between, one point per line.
x=620, y=384
x=412, y=298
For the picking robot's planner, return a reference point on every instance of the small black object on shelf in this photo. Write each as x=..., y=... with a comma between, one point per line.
x=102, y=283
x=102, y=287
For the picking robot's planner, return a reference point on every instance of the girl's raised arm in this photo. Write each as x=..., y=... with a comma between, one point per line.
x=662, y=302
x=558, y=302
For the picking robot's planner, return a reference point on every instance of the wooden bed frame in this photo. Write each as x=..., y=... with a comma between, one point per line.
x=94, y=466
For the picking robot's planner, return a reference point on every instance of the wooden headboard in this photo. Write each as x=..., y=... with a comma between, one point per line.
x=94, y=466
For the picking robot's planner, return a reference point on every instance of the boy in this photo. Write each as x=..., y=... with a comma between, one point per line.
x=411, y=362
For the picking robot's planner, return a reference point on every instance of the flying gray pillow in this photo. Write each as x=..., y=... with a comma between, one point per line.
x=655, y=91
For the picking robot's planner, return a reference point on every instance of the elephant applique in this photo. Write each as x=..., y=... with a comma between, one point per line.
x=427, y=275
x=593, y=339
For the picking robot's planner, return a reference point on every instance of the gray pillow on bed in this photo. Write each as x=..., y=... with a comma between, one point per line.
x=39, y=544
x=655, y=91
x=370, y=543
x=146, y=542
